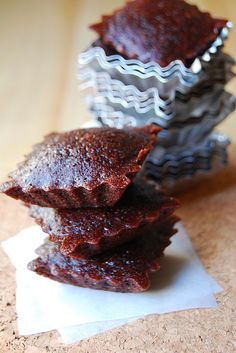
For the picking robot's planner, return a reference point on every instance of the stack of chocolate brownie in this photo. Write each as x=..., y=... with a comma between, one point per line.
x=107, y=227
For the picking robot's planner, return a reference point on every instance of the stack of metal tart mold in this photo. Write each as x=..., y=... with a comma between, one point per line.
x=186, y=102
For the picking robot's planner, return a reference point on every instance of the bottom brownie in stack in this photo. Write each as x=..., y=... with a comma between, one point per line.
x=111, y=248
x=123, y=269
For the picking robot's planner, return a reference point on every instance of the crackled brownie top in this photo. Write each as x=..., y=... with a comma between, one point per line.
x=159, y=30
x=85, y=158
x=123, y=269
x=93, y=230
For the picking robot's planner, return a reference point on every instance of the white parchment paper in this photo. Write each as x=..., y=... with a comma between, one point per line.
x=78, y=313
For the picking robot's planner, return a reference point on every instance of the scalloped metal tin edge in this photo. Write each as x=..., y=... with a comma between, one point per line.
x=168, y=87
x=109, y=115
x=102, y=83
x=173, y=154
x=117, y=93
x=136, y=67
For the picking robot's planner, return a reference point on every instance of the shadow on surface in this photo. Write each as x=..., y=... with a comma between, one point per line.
x=170, y=267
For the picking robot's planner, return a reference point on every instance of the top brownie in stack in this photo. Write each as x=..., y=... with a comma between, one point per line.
x=139, y=31
x=81, y=168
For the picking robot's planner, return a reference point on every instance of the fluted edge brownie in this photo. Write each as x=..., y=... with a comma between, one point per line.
x=81, y=168
x=123, y=269
x=85, y=232
x=159, y=30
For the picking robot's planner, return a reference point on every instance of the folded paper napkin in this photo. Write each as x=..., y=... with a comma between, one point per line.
x=78, y=313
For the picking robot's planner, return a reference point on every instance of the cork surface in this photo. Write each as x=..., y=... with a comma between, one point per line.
x=208, y=213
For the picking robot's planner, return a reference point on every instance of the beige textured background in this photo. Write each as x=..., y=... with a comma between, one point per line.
x=39, y=43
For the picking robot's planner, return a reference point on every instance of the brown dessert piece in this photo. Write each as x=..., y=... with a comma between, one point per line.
x=123, y=269
x=81, y=168
x=159, y=30
x=85, y=232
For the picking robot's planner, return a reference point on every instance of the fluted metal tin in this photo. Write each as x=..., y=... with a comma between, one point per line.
x=194, y=110
x=168, y=80
x=174, y=154
x=173, y=164
x=102, y=82
x=180, y=133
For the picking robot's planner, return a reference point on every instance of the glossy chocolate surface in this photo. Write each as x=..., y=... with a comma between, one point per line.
x=159, y=30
